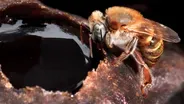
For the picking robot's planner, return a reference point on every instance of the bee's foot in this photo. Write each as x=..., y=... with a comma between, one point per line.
x=146, y=80
x=144, y=89
x=115, y=61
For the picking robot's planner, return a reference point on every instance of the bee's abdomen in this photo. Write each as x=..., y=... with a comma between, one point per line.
x=152, y=50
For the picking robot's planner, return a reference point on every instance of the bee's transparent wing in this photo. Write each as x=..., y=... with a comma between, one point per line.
x=156, y=29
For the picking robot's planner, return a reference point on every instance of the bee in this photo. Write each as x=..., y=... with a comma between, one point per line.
x=124, y=30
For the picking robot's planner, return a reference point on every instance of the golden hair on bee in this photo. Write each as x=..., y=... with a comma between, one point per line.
x=123, y=10
x=118, y=16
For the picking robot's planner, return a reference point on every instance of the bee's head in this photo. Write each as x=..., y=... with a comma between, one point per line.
x=97, y=26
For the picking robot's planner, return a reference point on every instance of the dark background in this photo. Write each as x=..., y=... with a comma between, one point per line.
x=167, y=12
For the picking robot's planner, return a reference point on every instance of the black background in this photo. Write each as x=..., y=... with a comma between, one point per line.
x=167, y=12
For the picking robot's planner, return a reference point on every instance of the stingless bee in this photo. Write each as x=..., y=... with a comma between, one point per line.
x=125, y=30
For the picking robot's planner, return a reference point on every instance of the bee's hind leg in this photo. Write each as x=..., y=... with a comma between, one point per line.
x=146, y=76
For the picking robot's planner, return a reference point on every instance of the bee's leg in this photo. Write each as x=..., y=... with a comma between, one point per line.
x=145, y=72
x=128, y=50
x=104, y=52
x=90, y=46
x=100, y=46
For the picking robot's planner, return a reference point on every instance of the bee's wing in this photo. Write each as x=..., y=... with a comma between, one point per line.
x=155, y=29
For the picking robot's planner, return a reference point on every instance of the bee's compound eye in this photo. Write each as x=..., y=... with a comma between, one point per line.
x=98, y=32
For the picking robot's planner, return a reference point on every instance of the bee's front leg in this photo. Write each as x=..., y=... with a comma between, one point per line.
x=146, y=76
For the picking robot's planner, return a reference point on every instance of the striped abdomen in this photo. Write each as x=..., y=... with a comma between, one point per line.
x=151, y=49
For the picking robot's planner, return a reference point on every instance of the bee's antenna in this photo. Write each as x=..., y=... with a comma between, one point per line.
x=90, y=46
x=81, y=34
